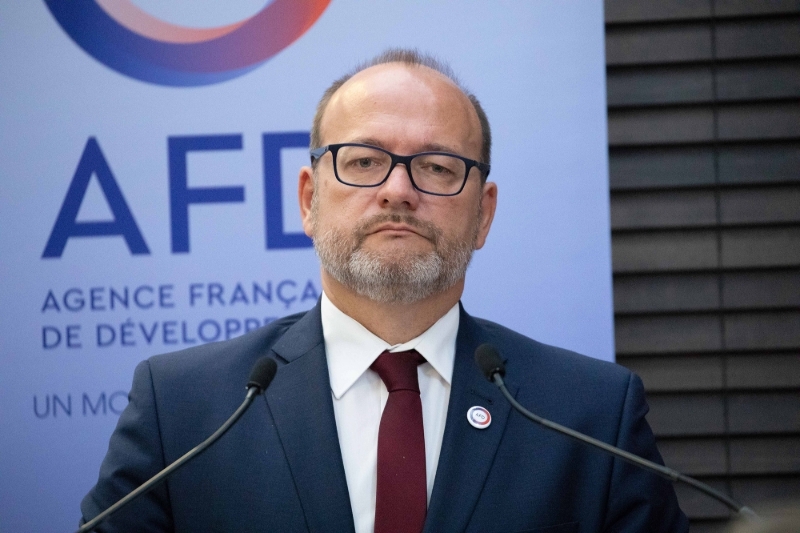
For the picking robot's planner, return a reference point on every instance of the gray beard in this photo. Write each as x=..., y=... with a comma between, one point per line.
x=387, y=278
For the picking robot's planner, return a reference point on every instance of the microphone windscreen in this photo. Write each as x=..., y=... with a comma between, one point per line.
x=263, y=372
x=489, y=361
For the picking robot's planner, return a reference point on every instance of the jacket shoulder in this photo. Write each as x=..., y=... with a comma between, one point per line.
x=233, y=358
x=528, y=356
x=520, y=342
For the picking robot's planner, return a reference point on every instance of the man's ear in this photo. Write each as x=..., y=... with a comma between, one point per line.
x=488, y=206
x=305, y=194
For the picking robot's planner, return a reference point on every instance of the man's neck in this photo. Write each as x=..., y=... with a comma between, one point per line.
x=395, y=323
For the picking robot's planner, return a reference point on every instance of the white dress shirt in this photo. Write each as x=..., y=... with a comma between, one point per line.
x=359, y=397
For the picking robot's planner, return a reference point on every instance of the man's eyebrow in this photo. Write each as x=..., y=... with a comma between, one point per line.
x=434, y=147
x=368, y=140
x=430, y=147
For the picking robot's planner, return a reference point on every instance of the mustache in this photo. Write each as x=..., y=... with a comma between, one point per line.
x=426, y=229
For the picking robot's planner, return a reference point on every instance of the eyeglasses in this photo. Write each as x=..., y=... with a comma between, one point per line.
x=362, y=165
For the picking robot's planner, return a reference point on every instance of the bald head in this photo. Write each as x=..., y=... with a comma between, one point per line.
x=425, y=69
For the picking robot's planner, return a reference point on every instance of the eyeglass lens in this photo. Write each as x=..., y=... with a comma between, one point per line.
x=364, y=166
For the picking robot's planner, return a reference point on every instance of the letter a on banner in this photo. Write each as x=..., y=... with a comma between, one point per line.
x=66, y=226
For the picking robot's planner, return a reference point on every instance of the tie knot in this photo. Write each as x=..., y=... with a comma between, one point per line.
x=399, y=370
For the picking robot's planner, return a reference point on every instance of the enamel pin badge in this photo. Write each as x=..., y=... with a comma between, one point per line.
x=479, y=417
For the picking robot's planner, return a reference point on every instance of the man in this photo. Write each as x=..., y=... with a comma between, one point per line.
x=366, y=425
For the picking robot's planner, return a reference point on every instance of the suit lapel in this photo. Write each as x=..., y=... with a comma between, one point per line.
x=467, y=453
x=301, y=406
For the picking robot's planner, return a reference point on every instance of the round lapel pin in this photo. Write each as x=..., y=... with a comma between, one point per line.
x=479, y=417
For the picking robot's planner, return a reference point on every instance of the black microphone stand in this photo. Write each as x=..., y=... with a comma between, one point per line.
x=260, y=378
x=663, y=471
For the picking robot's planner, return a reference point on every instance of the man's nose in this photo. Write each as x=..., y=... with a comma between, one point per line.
x=397, y=190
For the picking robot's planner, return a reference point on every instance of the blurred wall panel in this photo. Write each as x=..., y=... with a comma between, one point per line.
x=704, y=143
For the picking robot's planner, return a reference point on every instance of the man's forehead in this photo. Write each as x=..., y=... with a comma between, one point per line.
x=385, y=75
x=387, y=84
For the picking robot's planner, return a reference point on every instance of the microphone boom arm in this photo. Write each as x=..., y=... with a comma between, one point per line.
x=663, y=471
x=151, y=483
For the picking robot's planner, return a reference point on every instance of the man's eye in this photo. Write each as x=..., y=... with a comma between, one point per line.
x=436, y=169
x=365, y=162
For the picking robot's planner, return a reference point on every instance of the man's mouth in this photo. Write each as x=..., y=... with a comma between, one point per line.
x=398, y=226
x=395, y=228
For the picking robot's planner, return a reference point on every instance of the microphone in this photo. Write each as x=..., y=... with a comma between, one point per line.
x=260, y=377
x=492, y=366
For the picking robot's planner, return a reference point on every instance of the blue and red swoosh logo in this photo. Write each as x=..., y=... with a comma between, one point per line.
x=132, y=42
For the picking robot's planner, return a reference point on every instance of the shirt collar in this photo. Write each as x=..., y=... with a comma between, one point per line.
x=351, y=348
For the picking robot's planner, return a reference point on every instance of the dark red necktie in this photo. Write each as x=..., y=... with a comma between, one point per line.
x=402, y=495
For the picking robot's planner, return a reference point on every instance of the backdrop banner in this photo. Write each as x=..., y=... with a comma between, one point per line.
x=148, y=200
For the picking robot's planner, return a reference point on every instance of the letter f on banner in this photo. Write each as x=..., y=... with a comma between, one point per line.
x=181, y=196
x=66, y=226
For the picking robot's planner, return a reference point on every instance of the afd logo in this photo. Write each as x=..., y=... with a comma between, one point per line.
x=181, y=196
x=132, y=42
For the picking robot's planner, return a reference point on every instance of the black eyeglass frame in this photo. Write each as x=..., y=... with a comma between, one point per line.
x=317, y=154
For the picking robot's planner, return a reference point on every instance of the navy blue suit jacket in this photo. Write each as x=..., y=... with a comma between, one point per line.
x=280, y=468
